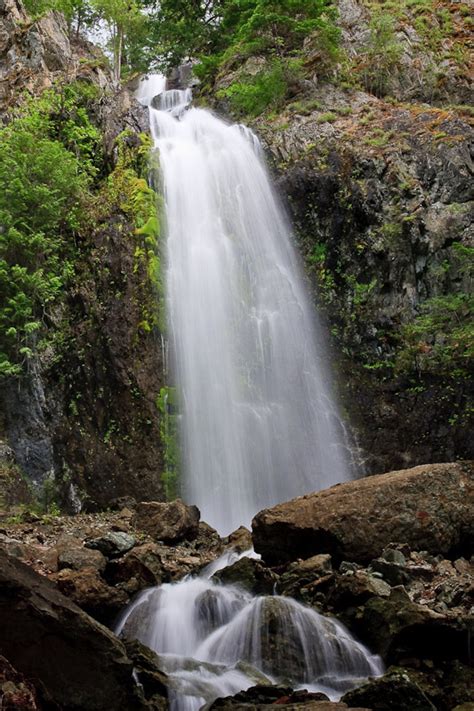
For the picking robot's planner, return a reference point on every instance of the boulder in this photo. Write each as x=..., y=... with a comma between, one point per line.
x=240, y=540
x=249, y=574
x=168, y=522
x=46, y=637
x=78, y=558
x=395, y=690
x=141, y=567
x=398, y=628
x=429, y=507
x=305, y=575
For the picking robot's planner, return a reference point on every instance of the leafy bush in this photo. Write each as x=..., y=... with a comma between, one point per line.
x=265, y=90
x=381, y=56
x=441, y=338
x=42, y=189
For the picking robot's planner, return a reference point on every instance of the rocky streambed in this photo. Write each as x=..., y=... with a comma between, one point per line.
x=389, y=556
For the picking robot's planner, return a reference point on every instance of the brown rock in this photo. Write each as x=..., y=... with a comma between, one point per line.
x=82, y=665
x=167, y=522
x=240, y=539
x=79, y=558
x=88, y=590
x=428, y=507
x=141, y=567
x=259, y=697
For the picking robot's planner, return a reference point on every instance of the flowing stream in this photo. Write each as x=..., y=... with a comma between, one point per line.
x=258, y=421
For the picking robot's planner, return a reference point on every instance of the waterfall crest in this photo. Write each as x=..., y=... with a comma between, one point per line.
x=259, y=424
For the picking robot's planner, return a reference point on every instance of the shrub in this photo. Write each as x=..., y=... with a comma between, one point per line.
x=266, y=90
x=42, y=187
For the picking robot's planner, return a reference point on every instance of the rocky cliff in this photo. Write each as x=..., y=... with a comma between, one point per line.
x=82, y=420
x=371, y=148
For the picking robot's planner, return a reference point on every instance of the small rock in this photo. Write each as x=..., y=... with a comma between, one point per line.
x=79, y=558
x=393, y=573
x=113, y=544
x=392, y=555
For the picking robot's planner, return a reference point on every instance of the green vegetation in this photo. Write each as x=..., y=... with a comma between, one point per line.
x=382, y=54
x=223, y=35
x=127, y=190
x=46, y=167
x=441, y=338
x=265, y=90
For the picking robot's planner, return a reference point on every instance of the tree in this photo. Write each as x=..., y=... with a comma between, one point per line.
x=205, y=28
x=124, y=18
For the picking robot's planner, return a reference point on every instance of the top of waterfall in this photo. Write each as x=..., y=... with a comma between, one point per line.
x=152, y=92
x=150, y=86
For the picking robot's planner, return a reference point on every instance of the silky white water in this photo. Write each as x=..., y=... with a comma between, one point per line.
x=258, y=422
x=216, y=640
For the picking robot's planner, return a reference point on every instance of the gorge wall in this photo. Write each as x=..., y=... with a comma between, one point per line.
x=372, y=152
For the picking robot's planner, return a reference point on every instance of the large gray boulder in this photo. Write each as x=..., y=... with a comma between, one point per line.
x=429, y=507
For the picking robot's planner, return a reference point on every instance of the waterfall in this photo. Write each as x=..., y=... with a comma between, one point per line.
x=258, y=421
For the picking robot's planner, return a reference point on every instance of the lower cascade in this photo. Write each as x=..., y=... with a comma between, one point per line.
x=215, y=640
x=259, y=424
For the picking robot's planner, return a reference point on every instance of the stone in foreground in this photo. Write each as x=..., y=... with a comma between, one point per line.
x=429, y=507
x=46, y=637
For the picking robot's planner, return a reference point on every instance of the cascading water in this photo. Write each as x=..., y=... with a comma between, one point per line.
x=258, y=423
x=215, y=640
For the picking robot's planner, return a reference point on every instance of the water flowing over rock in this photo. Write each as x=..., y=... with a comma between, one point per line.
x=214, y=641
x=428, y=507
x=259, y=423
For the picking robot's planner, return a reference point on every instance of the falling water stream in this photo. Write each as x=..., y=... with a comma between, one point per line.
x=258, y=422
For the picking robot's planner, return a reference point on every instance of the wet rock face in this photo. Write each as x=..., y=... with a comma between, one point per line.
x=429, y=507
x=381, y=201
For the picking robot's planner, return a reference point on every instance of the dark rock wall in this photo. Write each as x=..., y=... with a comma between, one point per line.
x=382, y=210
